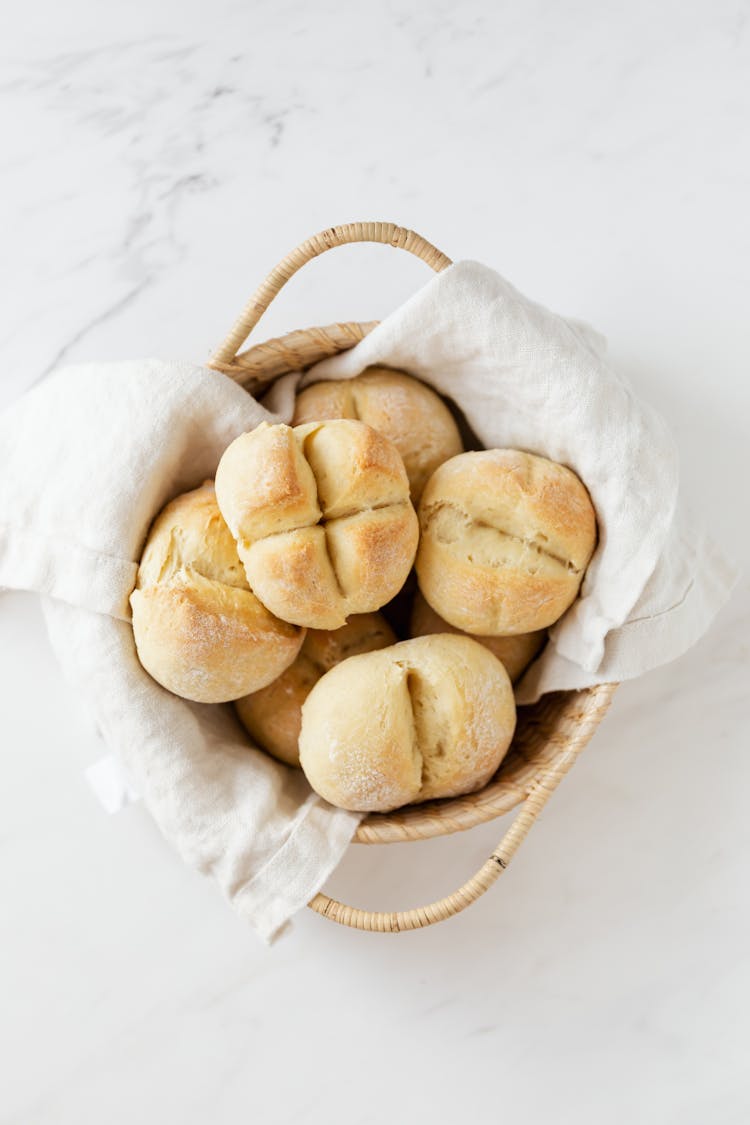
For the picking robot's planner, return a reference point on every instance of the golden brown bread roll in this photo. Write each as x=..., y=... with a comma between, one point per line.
x=430, y=717
x=514, y=653
x=505, y=540
x=322, y=518
x=199, y=630
x=409, y=413
x=272, y=716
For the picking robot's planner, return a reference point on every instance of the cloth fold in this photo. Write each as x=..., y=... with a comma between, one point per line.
x=526, y=378
x=86, y=461
x=89, y=457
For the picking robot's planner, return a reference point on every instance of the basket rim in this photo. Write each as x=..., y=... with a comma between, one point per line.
x=517, y=776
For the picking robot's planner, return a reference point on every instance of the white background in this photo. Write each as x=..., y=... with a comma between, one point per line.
x=157, y=159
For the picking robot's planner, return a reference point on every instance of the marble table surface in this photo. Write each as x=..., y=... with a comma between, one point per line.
x=157, y=160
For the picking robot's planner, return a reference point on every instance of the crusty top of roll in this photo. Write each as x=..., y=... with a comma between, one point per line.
x=199, y=629
x=407, y=411
x=273, y=715
x=429, y=717
x=505, y=539
x=189, y=535
x=322, y=518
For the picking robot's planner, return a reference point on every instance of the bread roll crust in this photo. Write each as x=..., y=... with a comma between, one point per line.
x=406, y=411
x=506, y=537
x=273, y=715
x=426, y=718
x=199, y=630
x=514, y=653
x=322, y=518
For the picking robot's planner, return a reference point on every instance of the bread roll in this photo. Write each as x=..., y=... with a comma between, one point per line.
x=505, y=540
x=409, y=413
x=199, y=630
x=272, y=716
x=514, y=653
x=322, y=518
x=430, y=717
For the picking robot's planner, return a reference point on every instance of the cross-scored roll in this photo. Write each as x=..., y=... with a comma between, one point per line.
x=273, y=715
x=407, y=412
x=199, y=630
x=514, y=653
x=505, y=541
x=430, y=717
x=322, y=518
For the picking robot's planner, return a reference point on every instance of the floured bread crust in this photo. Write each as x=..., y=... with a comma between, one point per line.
x=199, y=630
x=430, y=717
x=322, y=518
x=273, y=715
x=514, y=653
x=505, y=541
x=402, y=408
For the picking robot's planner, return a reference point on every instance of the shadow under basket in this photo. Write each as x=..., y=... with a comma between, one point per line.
x=550, y=734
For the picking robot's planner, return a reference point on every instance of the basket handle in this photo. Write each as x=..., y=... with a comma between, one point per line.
x=393, y=922
x=387, y=233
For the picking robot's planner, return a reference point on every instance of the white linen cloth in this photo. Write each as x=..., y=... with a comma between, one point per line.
x=89, y=457
x=528, y=379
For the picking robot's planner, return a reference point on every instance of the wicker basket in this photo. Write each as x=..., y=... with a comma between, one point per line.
x=550, y=735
